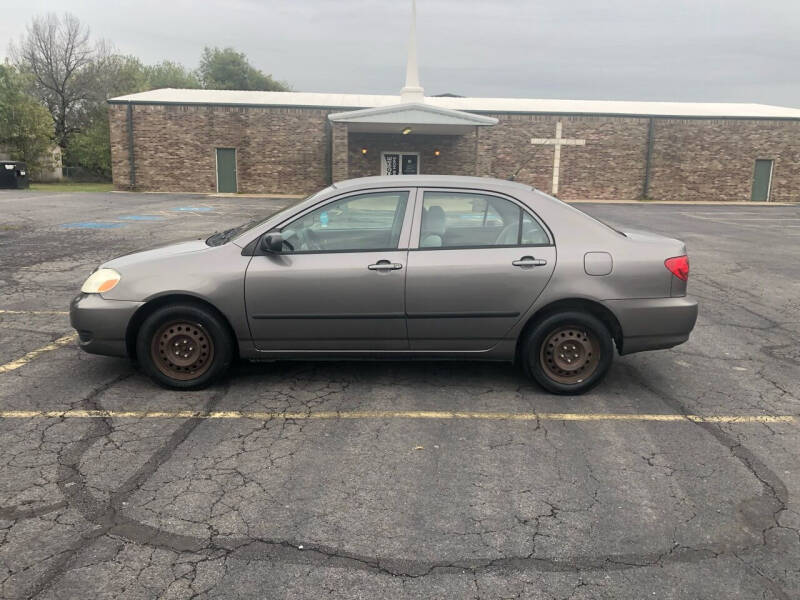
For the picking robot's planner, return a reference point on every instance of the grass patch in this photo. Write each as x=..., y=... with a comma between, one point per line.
x=71, y=186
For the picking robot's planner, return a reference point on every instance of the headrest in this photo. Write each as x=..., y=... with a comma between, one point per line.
x=433, y=220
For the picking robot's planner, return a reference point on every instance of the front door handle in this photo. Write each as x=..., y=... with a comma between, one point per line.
x=529, y=261
x=385, y=265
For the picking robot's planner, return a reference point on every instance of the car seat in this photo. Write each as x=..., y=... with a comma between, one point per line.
x=532, y=233
x=433, y=227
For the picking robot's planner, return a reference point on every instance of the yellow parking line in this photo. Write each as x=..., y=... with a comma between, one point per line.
x=33, y=312
x=23, y=360
x=390, y=414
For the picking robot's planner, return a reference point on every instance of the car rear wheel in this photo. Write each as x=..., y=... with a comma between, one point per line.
x=184, y=346
x=568, y=352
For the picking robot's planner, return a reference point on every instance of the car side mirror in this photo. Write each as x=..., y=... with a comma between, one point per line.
x=272, y=243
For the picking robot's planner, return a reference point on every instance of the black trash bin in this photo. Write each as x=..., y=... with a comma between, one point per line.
x=13, y=175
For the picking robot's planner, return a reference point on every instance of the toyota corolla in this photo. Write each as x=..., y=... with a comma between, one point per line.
x=395, y=267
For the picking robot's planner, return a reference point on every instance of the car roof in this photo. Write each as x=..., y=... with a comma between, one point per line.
x=453, y=181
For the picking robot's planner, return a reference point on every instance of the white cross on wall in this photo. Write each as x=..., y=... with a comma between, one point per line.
x=557, y=141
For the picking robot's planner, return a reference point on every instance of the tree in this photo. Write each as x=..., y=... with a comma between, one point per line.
x=226, y=69
x=114, y=75
x=90, y=149
x=26, y=128
x=56, y=53
x=168, y=74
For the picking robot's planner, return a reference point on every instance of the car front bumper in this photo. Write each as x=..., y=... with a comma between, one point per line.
x=654, y=323
x=101, y=323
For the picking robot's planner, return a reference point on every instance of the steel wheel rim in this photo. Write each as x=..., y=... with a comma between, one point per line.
x=182, y=350
x=570, y=355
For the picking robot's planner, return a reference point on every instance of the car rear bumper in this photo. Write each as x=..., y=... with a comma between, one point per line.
x=101, y=323
x=654, y=323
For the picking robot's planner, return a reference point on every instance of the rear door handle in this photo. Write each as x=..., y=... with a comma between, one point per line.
x=529, y=261
x=385, y=265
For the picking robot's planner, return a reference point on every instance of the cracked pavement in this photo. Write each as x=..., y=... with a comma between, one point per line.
x=391, y=507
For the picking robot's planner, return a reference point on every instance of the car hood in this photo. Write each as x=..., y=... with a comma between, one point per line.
x=157, y=253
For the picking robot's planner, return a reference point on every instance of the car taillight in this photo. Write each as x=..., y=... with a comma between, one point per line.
x=678, y=266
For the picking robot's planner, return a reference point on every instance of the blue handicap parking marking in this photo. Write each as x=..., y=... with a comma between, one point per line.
x=193, y=208
x=142, y=218
x=92, y=225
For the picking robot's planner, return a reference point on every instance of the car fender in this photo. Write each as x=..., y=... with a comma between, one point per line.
x=214, y=275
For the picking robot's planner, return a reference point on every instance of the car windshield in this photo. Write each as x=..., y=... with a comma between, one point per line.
x=223, y=237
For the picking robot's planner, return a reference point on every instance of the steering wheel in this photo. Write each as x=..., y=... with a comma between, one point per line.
x=308, y=240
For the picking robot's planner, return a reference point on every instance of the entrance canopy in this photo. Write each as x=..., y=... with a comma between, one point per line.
x=411, y=117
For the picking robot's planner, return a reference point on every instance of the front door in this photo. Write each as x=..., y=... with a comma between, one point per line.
x=400, y=163
x=226, y=170
x=339, y=284
x=476, y=271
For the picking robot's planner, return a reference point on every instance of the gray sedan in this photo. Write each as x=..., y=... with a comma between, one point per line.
x=396, y=267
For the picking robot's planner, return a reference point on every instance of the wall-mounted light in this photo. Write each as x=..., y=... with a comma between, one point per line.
x=364, y=151
x=437, y=152
x=407, y=130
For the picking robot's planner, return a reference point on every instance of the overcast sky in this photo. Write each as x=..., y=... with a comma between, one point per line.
x=677, y=50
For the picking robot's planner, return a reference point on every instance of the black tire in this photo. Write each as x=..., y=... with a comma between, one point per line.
x=568, y=352
x=200, y=345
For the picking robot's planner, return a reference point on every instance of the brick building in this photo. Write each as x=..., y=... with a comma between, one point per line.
x=297, y=143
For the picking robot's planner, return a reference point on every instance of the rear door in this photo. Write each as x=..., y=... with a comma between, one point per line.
x=477, y=262
x=339, y=283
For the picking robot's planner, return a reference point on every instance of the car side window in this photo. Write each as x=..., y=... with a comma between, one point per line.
x=533, y=234
x=369, y=221
x=469, y=220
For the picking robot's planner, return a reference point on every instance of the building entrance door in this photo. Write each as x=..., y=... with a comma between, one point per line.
x=226, y=170
x=762, y=181
x=399, y=163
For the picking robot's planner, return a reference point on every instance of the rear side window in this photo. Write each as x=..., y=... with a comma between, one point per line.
x=532, y=232
x=472, y=220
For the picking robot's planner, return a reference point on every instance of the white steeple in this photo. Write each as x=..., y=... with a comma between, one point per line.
x=412, y=92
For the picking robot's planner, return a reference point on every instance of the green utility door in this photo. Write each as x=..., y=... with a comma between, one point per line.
x=762, y=181
x=226, y=170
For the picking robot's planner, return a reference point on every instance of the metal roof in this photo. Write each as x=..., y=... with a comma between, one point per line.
x=424, y=118
x=411, y=112
x=490, y=105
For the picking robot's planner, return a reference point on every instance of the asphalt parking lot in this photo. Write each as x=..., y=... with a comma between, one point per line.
x=399, y=480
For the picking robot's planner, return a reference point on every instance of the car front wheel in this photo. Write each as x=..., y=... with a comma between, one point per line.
x=568, y=352
x=184, y=346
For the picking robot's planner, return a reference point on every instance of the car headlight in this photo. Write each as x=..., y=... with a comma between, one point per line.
x=102, y=280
